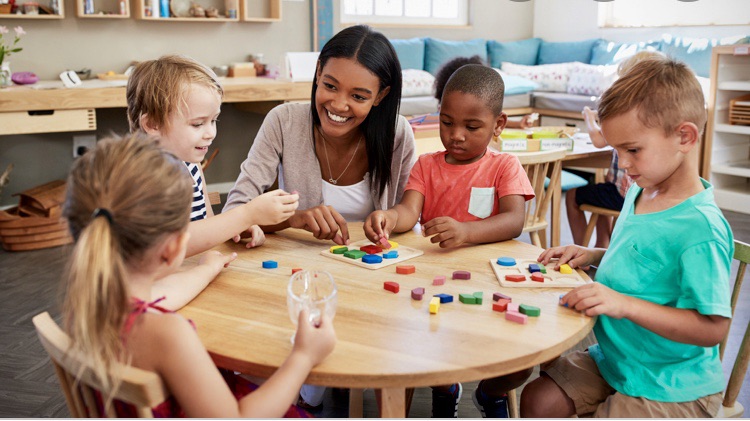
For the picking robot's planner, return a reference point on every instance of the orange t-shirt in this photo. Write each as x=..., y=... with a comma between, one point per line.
x=467, y=192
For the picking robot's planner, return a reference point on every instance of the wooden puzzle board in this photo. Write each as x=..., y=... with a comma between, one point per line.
x=404, y=253
x=552, y=279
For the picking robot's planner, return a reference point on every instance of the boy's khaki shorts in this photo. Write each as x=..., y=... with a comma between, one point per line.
x=579, y=377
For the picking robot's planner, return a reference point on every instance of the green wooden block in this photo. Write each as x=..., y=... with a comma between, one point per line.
x=340, y=250
x=542, y=268
x=528, y=310
x=467, y=299
x=478, y=297
x=354, y=254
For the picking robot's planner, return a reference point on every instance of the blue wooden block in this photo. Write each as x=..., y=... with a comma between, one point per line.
x=390, y=254
x=506, y=261
x=372, y=259
x=533, y=267
x=270, y=264
x=560, y=300
x=444, y=298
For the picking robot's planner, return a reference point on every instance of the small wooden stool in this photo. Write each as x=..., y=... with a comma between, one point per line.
x=595, y=212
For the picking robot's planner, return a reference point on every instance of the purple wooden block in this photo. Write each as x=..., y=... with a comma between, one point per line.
x=417, y=293
x=498, y=296
x=462, y=274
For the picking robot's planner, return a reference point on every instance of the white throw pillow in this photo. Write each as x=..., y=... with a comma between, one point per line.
x=416, y=82
x=590, y=79
x=550, y=77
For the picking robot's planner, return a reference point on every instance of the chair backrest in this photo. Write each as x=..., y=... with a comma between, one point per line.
x=730, y=407
x=143, y=389
x=538, y=166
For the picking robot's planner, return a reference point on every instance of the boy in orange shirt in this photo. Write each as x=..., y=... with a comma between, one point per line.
x=467, y=193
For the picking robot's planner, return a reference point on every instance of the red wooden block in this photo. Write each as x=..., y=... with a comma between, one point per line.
x=295, y=270
x=405, y=269
x=462, y=274
x=384, y=243
x=417, y=293
x=537, y=277
x=439, y=280
x=498, y=296
x=515, y=278
x=501, y=305
x=371, y=249
x=391, y=286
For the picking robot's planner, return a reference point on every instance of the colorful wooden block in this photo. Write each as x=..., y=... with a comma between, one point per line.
x=417, y=293
x=467, y=298
x=537, y=277
x=516, y=317
x=444, y=298
x=533, y=267
x=372, y=259
x=339, y=249
x=390, y=254
x=405, y=269
x=513, y=307
x=391, y=286
x=371, y=249
x=439, y=280
x=462, y=274
x=295, y=270
x=515, y=278
x=270, y=264
x=528, y=310
x=478, y=296
x=561, y=302
x=434, y=305
x=506, y=261
x=392, y=244
x=542, y=268
x=354, y=254
x=501, y=305
x=498, y=296
x=384, y=243
x=565, y=269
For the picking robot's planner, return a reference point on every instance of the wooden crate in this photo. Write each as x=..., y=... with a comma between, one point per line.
x=739, y=110
x=49, y=121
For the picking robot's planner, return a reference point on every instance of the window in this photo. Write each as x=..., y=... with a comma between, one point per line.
x=406, y=12
x=635, y=13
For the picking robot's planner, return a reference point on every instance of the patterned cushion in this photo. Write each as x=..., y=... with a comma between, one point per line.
x=417, y=82
x=549, y=77
x=588, y=79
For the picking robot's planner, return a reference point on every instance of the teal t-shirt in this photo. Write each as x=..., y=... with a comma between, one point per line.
x=679, y=257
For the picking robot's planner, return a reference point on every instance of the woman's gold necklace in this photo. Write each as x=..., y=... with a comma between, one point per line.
x=332, y=180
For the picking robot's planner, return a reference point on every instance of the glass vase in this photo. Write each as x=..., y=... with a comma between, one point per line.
x=5, y=74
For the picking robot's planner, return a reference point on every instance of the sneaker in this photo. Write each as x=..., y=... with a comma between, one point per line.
x=445, y=405
x=490, y=408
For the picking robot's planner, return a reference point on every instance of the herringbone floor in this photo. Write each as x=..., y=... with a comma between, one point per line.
x=29, y=282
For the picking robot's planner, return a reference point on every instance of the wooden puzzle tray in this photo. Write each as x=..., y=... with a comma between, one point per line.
x=552, y=279
x=404, y=253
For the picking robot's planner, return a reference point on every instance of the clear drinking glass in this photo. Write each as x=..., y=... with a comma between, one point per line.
x=313, y=290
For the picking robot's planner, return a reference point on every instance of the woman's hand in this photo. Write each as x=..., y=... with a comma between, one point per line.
x=323, y=222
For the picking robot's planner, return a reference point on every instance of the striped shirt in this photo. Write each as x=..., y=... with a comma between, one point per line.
x=198, y=210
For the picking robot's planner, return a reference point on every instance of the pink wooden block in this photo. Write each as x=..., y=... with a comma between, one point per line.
x=513, y=307
x=498, y=296
x=417, y=293
x=391, y=286
x=384, y=243
x=516, y=317
x=439, y=280
x=462, y=274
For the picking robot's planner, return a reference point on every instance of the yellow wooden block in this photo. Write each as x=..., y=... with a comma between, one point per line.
x=565, y=269
x=434, y=305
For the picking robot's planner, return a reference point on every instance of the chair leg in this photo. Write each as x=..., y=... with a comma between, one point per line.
x=534, y=235
x=590, y=229
x=356, y=401
x=512, y=404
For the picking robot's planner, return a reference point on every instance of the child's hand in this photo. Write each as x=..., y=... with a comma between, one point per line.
x=526, y=121
x=574, y=256
x=324, y=222
x=257, y=237
x=216, y=260
x=446, y=231
x=590, y=117
x=273, y=207
x=379, y=224
x=595, y=299
x=316, y=342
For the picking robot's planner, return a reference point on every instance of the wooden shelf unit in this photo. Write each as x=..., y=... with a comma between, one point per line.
x=726, y=153
x=140, y=13
x=260, y=10
x=104, y=9
x=61, y=15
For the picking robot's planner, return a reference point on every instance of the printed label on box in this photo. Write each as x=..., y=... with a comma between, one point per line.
x=560, y=143
x=514, y=145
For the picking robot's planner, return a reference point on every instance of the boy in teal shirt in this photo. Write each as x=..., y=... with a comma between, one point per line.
x=661, y=290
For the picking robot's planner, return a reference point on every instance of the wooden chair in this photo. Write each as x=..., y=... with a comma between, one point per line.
x=730, y=408
x=214, y=198
x=596, y=212
x=143, y=389
x=538, y=166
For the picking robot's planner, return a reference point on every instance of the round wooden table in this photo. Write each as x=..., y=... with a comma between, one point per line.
x=386, y=341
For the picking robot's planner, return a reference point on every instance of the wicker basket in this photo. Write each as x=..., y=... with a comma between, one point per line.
x=739, y=110
x=5, y=9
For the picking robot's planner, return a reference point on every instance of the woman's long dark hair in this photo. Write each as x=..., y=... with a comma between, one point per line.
x=372, y=50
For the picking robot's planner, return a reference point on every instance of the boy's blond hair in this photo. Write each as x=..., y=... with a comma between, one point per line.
x=157, y=88
x=629, y=62
x=664, y=91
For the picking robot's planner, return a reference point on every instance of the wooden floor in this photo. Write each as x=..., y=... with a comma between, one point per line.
x=29, y=282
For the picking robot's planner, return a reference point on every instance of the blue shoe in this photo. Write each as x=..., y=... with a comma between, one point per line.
x=445, y=405
x=489, y=407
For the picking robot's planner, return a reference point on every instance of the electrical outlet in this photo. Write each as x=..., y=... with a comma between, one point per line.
x=82, y=144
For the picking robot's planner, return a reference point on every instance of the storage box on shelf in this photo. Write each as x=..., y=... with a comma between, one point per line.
x=103, y=9
x=727, y=146
x=36, y=10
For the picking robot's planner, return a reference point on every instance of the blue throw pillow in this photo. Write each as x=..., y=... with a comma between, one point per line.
x=410, y=52
x=437, y=52
x=565, y=52
x=523, y=52
x=606, y=52
x=695, y=52
x=516, y=85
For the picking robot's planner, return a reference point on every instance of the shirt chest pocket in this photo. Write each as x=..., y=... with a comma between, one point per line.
x=482, y=201
x=642, y=273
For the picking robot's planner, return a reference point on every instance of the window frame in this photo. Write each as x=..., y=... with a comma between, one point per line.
x=678, y=16
x=462, y=20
